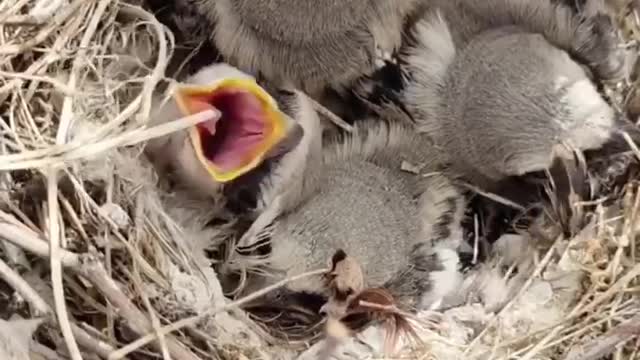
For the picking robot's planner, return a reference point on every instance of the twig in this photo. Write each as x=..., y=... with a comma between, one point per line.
x=48, y=58
x=579, y=311
x=41, y=308
x=476, y=239
x=611, y=291
x=494, y=197
x=190, y=321
x=55, y=262
x=127, y=138
x=22, y=216
x=528, y=337
x=38, y=306
x=103, y=131
x=67, y=116
x=58, y=19
x=155, y=323
x=335, y=119
x=57, y=84
x=7, y=12
x=93, y=271
x=631, y=144
x=605, y=344
x=91, y=339
x=162, y=61
x=20, y=20
x=136, y=256
x=27, y=239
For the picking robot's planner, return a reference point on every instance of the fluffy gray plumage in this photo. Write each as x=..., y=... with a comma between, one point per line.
x=401, y=227
x=590, y=36
x=304, y=43
x=506, y=100
x=492, y=83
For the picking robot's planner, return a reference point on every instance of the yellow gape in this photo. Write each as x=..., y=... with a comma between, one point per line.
x=253, y=135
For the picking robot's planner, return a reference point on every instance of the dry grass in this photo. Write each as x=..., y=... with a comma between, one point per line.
x=115, y=269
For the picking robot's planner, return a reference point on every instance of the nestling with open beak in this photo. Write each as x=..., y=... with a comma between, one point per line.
x=251, y=128
x=353, y=194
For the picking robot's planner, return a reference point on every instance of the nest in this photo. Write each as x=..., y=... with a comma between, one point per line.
x=96, y=262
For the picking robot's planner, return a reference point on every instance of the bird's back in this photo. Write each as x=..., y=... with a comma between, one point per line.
x=365, y=209
x=367, y=205
x=501, y=102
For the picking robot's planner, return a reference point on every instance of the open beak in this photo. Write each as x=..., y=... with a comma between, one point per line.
x=249, y=127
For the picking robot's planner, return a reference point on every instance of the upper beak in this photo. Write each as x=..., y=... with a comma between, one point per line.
x=250, y=126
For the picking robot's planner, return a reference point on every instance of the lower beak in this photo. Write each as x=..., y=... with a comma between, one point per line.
x=249, y=127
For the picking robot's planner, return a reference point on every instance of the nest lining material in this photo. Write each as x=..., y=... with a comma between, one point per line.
x=97, y=262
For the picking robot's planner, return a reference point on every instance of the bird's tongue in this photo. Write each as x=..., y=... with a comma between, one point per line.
x=232, y=141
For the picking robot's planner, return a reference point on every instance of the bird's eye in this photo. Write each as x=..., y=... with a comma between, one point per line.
x=285, y=92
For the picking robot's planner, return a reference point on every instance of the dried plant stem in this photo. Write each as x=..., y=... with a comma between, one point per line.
x=163, y=57
x=7, y=12
x=93, y=271
x=55, y=261
x=155, y=322
x=605, y=344
x=335, y=119
x=143, y=99
x=41, y=308
x=38, y=306
x=89, y=342
x=580, y=311
x=526, y=339
x=21, y=20
x=67, y=106
x=191, y=321
x=44, y=34
x=43, y=61
x=29, y=240
x=491, y=196
x=128, y=138
x=609, y=293
x=58, y=85
x=631, y=144
x=66, y=117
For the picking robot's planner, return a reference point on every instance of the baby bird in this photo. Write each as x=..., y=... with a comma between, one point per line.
x=304, y=44
x=441, y=30
x=250, y=128
x=501, y=94
x=401, y=227
x=589, y=36
x=508, y=102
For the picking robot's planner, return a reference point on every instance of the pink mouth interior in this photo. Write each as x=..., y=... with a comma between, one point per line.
x=230, y=141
